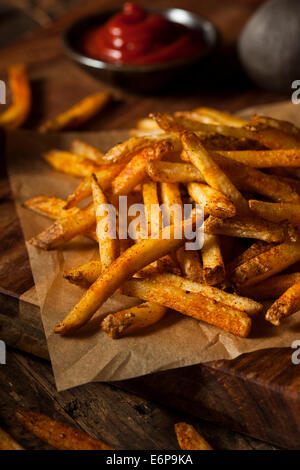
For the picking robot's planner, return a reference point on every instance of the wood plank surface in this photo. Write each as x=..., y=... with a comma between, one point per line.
x=240, y=394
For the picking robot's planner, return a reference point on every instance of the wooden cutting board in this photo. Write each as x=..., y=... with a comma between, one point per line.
x=257, y=393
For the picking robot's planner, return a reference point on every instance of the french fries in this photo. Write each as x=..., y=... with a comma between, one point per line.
x=133, y=319
x=244, y=177
x=17, y=113
x=8, y=443
x=213, y=265
x=108, y=245
x=189, y=439
x=287, y=304
x=192, y=304
x=212, y=173
x=78, y=114
x=57, y=434
x=106, y=175
x=128, y=263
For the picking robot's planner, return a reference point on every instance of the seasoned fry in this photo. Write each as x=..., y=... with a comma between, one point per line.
x=271, y=288
x=266, y=264
x=85, y=274
x=212, y=201
x=171, y=198
x=190, y=264
x=59, y=435
x=134, y=172
x=133, y=319
x=189, y=439
x=286, y=305
x=249, y=306
x=191, y=304
x=52, y=207
x=66, y=228
x=7, y=442
x=273, y=138
x=130, y=262
x=243, y=177
x=108, y=245
x=254, y=250
x=17, y=113
x=70, y=163
x=77, y=114
x=276, y=212
x=265, y=158
x=212, y=173
x=150, y=198
x=106, y=175
x=250, y=227
x=87, y=151
x=285, y=126
x=213, y=264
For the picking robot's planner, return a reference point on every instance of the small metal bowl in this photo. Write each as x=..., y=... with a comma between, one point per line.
x=142, y=78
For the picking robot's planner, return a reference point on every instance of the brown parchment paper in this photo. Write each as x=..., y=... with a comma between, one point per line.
x=91, y=355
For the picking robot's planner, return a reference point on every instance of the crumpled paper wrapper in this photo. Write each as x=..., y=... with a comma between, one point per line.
x=90, y=355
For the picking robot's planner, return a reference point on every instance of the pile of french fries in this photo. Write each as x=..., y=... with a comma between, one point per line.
x=244, y=174
x=64, y=437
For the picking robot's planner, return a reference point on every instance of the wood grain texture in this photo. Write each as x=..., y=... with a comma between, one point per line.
x=257, y=394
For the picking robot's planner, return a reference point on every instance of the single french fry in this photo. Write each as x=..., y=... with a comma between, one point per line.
x=247, y=305
x=271, y=288
x=212, y=201
x=65, y=228
x=254, y=250
x=171, y=123
x=135, y=171
x=191, y=304
x=189, y=439
x=59, y=435
x=273, y=138
x=17, y=113
x=284, y=126
x=168, y=172
x=212, y=173
x=130, y=262
x=106, y=175
x=8, y=443
x=250, y=227
x=190, y=264
x=151, y=204
x=121, y=153
x=265, y=158
x=213, y=264
x=287, y=304
x=87, y=151
x=266, y=264
x=85, y=274
x=171, y=198
x=77, y=114
x=70, y=163
x=108, y=245
x=276, y=211
x=133, y=319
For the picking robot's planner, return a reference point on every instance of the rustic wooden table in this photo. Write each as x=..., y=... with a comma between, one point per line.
x=102, y=410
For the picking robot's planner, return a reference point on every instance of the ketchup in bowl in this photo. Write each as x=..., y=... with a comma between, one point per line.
x=137, y=37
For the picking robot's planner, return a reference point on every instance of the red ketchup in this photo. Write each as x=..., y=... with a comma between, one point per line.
x=136, y=37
